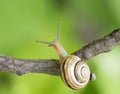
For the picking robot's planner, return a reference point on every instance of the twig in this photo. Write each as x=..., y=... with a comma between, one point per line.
x=51, y=66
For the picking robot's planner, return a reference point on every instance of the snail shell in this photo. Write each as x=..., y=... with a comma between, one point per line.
x=74, y=72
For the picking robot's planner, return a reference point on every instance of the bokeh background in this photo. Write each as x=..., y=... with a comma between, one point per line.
x=24, y=21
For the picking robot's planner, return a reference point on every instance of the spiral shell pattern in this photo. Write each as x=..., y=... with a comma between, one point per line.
x=74, y=72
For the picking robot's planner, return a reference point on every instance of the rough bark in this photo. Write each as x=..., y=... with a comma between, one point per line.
x=51, y=66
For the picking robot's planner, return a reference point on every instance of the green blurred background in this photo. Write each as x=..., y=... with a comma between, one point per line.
x=24, y=21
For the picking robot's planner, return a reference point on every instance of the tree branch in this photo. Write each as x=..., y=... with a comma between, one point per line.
x=51, y=66
x=22, y=66
x=99, y=46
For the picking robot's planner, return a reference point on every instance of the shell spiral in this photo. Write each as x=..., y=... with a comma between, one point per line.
x=74, y=72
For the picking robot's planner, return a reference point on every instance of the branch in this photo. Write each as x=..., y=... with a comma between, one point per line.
x=51, y=66
x=21, y=66
x=99, y=46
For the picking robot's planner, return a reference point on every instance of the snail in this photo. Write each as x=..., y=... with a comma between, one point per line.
x=74, y=72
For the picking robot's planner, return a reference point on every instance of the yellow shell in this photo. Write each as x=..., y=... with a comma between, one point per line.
x=74, y=72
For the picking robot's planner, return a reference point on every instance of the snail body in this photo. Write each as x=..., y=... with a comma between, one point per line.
x=74, y=72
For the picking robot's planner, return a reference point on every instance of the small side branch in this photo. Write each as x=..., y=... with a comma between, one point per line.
x=51, y=66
